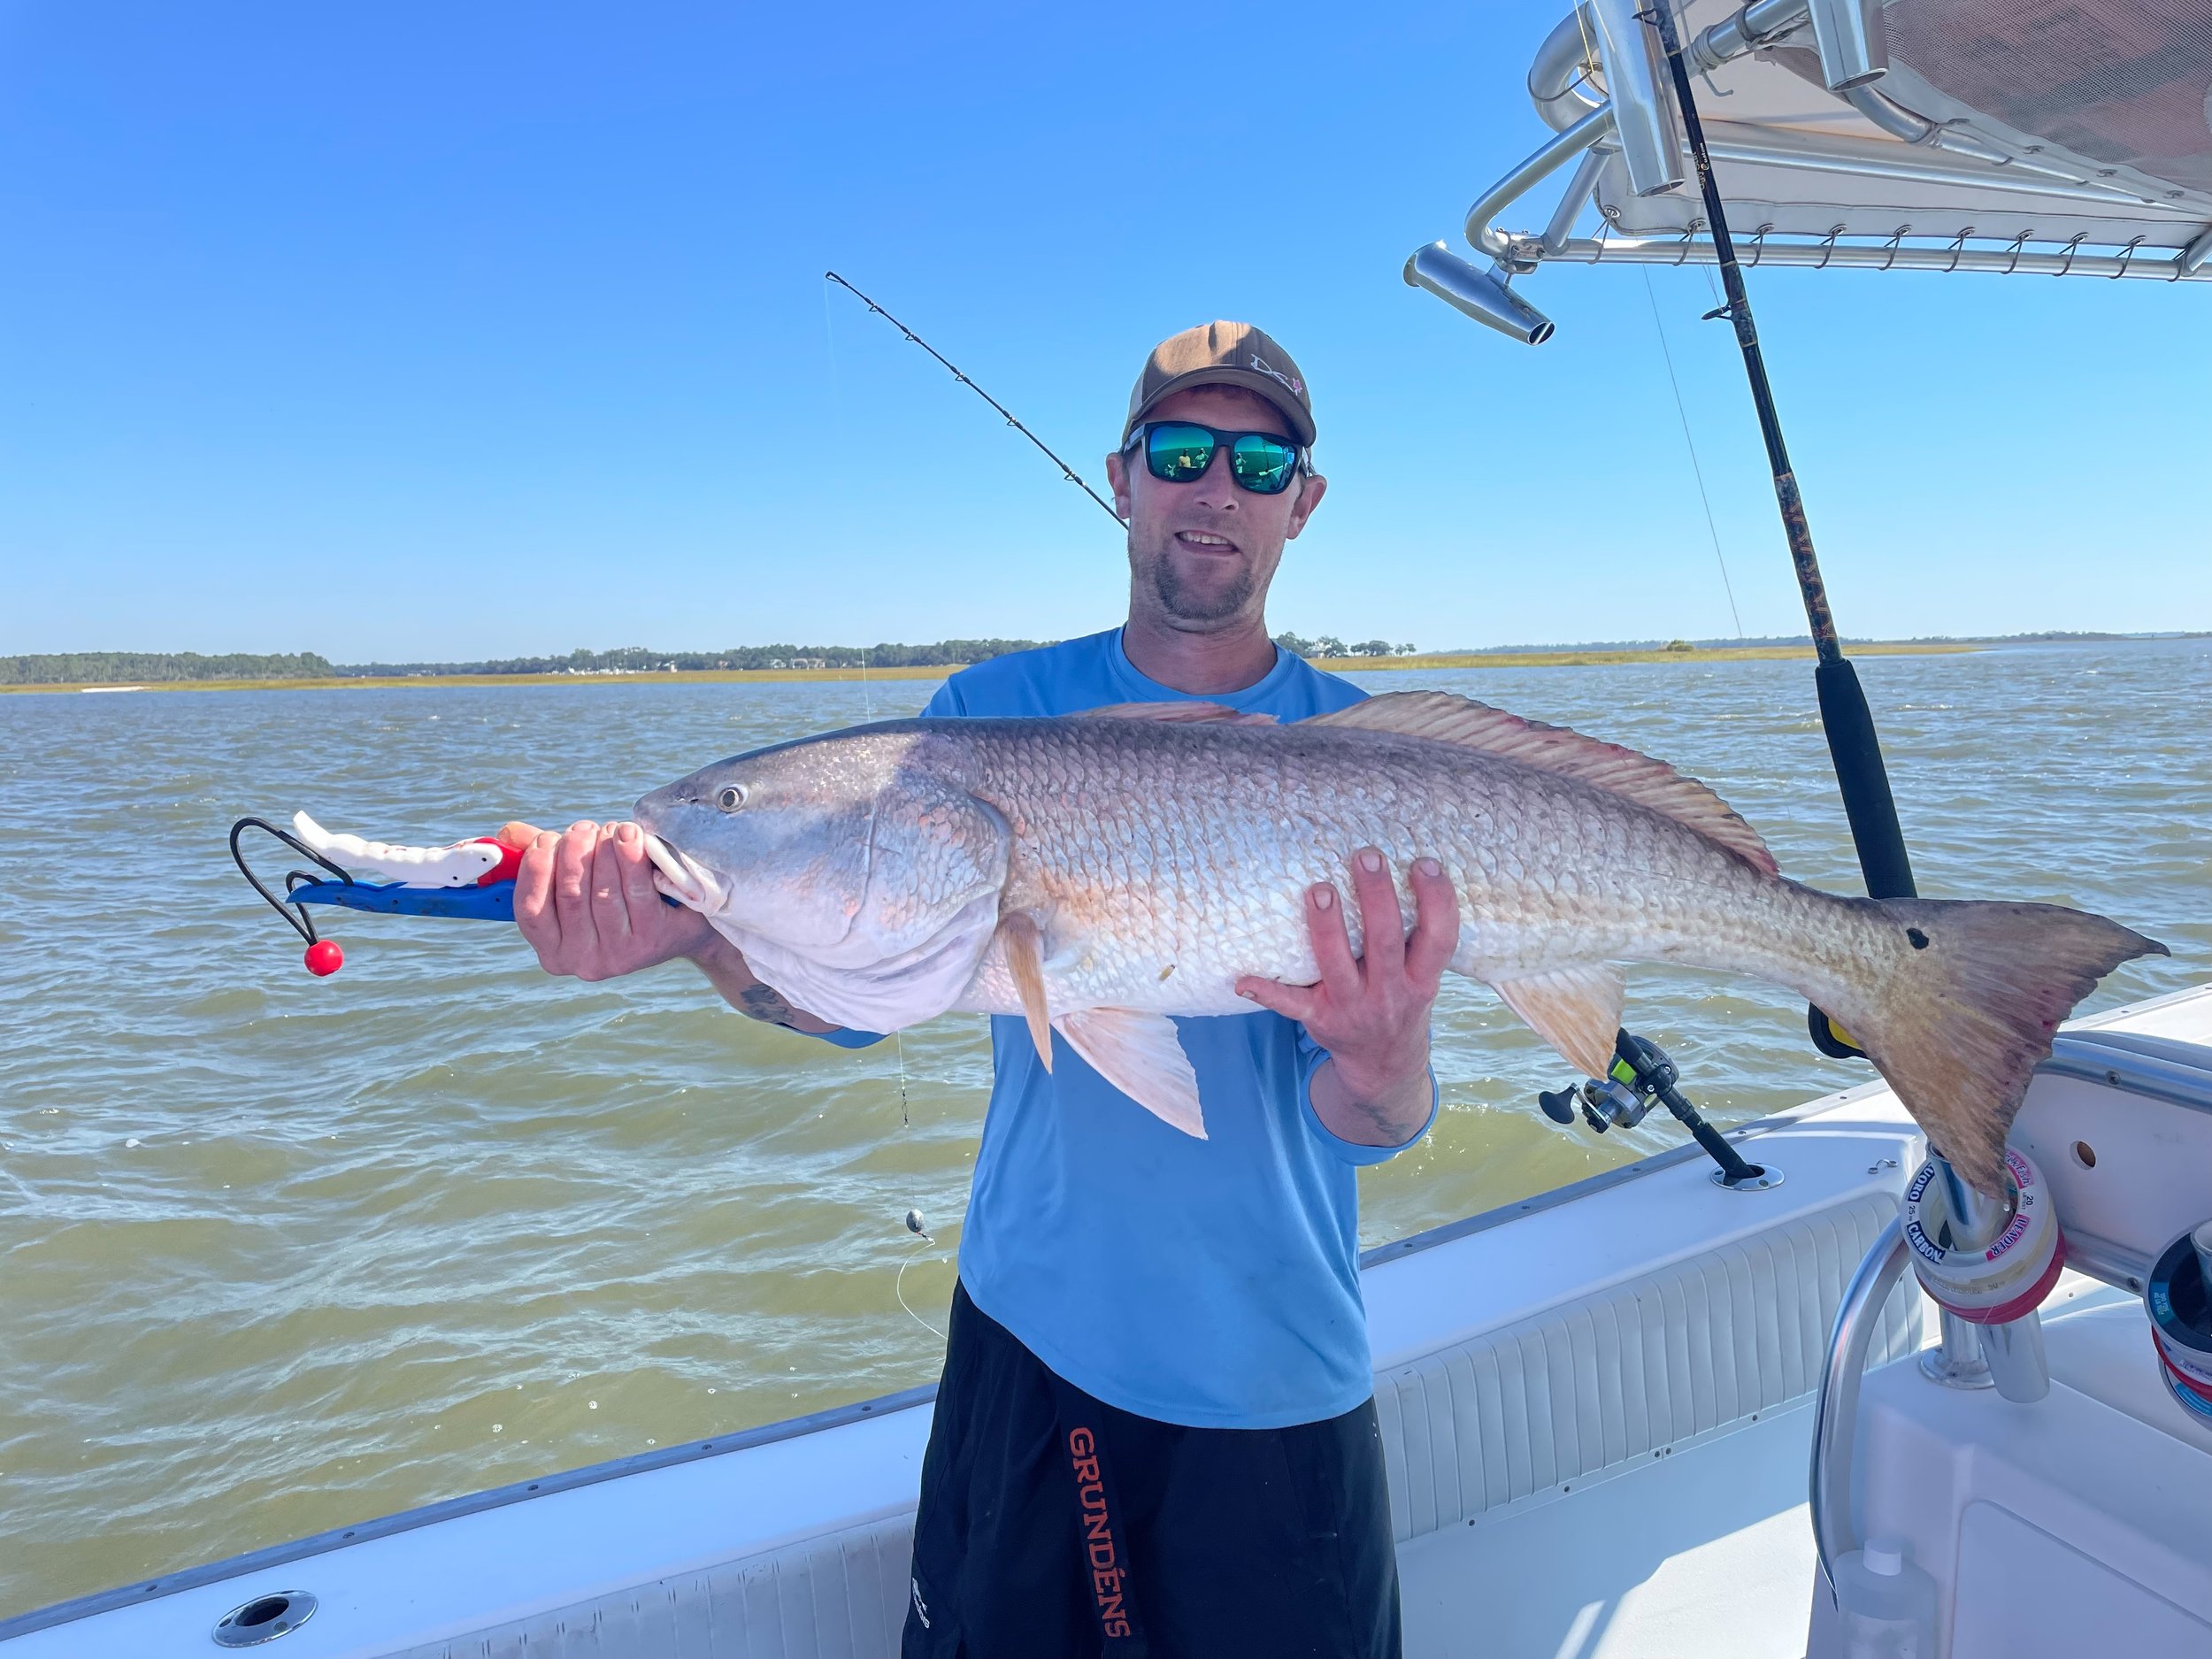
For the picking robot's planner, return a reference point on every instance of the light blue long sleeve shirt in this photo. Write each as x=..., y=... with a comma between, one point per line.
x=1213, y=1283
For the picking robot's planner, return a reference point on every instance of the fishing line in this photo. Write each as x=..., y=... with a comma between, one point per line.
x=829, y=342
x=1689, y=443
x=867, y=686
x=898, y=1048
x=898, y=1042
x=898, y=1285
x=898, y=1289
x=898, y=1039
x=1066, y=471
x=1711, y=287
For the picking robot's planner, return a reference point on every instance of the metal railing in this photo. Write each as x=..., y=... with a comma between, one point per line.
x=1630, y=120
x=1836, y=1410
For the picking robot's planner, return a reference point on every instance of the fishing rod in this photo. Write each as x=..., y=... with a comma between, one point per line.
x=1862, y=776
x=1066, y=471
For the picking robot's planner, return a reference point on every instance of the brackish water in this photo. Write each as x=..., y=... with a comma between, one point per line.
x=279, y=1253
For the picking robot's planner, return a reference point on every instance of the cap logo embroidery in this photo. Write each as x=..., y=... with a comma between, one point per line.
x=1289, y=383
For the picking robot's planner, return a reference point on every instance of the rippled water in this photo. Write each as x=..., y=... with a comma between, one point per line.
x=278, y=1254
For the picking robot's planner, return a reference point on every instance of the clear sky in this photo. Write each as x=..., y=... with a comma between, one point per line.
x=446, y=331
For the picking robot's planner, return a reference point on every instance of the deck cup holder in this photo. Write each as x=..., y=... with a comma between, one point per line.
x=264, y=1618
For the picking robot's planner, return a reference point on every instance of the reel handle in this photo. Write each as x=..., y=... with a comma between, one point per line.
x=1558, y=1104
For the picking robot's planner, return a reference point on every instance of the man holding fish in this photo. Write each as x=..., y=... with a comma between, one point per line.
x=1186, y=1310
x=1155, y=1430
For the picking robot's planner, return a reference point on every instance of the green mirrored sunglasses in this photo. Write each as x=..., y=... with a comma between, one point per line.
x=1180, y=452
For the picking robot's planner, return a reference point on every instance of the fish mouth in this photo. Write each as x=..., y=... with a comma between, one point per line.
x=683, y=877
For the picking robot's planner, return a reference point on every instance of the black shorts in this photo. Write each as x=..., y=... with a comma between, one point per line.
x=1054, y=1527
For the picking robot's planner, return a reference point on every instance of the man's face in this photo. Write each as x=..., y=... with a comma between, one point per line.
x=1205, y=551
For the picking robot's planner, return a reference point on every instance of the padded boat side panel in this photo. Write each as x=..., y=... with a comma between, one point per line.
x=1628, y=1372
x=839, y=1596
x=1567, y=1392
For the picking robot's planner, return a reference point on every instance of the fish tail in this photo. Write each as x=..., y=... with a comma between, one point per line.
x=1964, y=1004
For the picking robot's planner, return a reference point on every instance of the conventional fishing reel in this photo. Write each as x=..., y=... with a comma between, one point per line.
x=1643, y=1076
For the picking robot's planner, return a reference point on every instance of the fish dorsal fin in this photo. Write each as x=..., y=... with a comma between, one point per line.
x=1445, y=718
x=1176, y=713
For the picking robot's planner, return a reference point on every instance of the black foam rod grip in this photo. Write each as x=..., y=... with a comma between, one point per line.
x=1864, y=781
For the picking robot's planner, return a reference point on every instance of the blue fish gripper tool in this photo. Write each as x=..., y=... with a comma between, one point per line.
x=491, y=898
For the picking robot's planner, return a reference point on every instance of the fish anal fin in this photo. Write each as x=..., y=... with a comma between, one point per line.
x=1443, y=718
x=1141, y=1056
x=1175, y=713
x=1576, y=1010
x=1024, y=961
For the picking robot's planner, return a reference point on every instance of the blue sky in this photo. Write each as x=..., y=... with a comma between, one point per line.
x=414, y=331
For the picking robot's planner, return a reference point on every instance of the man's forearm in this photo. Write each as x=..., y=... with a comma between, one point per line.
x=1388, y=1112
x=727, y=972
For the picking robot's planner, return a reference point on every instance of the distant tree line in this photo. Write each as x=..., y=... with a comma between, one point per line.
x=159, y=667
x=1329, y=645
x=640, y=659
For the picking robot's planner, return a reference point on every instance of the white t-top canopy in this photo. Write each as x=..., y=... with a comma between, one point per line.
x=2063, y=137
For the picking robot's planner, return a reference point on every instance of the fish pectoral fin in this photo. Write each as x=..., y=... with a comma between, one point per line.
x=1174, y=713
x=1141, y=1056
x=1019, y=937
x=1578, y=1010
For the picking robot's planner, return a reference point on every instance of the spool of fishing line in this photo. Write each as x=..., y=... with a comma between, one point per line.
x=2178, y=1299
x=1996, y=1282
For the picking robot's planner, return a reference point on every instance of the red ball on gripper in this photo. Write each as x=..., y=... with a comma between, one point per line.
x=324, y=959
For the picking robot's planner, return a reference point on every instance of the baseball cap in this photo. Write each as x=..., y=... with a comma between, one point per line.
x=1223, y=353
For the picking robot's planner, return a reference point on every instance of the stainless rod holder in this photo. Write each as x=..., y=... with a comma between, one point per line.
x=2018, y=1367
x=1956, y=1361
x=1853, y=48
x=1976, y=1218
x=1643, y=114
x=1481, y=294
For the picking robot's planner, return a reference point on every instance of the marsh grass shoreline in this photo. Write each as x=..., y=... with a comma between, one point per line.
x=773, y=676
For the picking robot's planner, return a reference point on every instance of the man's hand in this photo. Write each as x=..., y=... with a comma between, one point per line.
x=587, y=902
x=1371, y=1012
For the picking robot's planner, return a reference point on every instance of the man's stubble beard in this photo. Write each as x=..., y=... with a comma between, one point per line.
x=1187, y=602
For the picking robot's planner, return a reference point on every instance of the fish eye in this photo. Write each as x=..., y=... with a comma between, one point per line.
x=730, y=796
